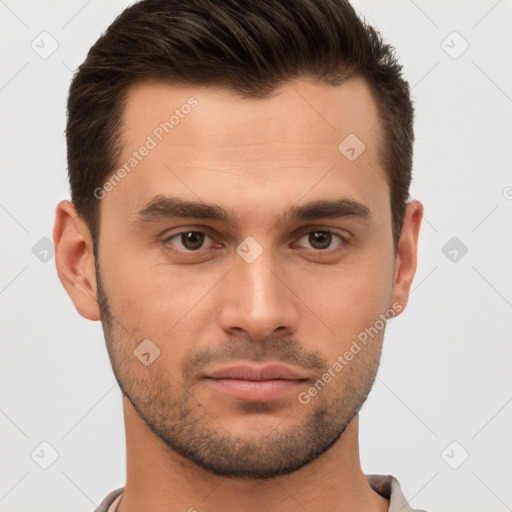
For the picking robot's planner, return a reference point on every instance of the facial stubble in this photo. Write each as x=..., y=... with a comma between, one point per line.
x=189, y=428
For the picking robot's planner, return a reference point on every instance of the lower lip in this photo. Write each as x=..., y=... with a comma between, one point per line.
x=256, y=390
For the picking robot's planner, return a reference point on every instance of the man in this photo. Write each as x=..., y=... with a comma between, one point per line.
x=240, y=224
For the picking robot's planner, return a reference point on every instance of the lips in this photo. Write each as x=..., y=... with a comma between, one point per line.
x=245, y=372
x=259, y=384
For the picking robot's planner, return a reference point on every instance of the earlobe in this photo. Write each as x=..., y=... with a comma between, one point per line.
x=74, y=260
x=407, y=253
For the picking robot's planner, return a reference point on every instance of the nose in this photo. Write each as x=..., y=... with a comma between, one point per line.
x=258, y=299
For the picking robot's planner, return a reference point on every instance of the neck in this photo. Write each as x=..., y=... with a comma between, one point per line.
x=160, y=480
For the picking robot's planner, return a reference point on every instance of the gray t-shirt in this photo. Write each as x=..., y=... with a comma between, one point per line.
x=385, y=485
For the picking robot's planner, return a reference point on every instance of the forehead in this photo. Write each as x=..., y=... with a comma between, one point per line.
x=303, y=112
x=199, y=142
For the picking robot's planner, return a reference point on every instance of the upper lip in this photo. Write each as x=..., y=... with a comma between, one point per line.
x=247, y=372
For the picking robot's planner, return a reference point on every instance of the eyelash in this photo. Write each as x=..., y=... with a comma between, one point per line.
x=343, y=240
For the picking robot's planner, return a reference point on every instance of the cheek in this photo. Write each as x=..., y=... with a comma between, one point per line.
x=168, y=305
x=348, y=301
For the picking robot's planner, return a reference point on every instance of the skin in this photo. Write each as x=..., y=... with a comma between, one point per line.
x=296, y=303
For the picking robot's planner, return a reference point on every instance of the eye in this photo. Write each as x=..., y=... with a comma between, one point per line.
x=321, y=240
x=188, y=240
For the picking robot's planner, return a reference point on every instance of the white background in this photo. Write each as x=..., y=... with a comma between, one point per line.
x=445, y=374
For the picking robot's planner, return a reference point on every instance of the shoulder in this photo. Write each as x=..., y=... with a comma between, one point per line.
x=109, y=499
x=389, y=487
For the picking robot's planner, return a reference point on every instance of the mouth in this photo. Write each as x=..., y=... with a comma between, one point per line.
x=257, y=384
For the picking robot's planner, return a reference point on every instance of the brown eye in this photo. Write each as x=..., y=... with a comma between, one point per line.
x=322, y=240
x=192, y=240
x=187, y=240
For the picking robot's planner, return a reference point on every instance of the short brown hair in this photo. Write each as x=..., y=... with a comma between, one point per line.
x=250, y=48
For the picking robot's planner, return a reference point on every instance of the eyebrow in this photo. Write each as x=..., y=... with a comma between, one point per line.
x=163, y=207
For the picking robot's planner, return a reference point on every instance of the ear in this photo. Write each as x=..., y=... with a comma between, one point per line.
x=74, y=259
x=406, y=258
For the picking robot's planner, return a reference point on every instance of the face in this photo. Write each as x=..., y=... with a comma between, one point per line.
x=246, y=269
